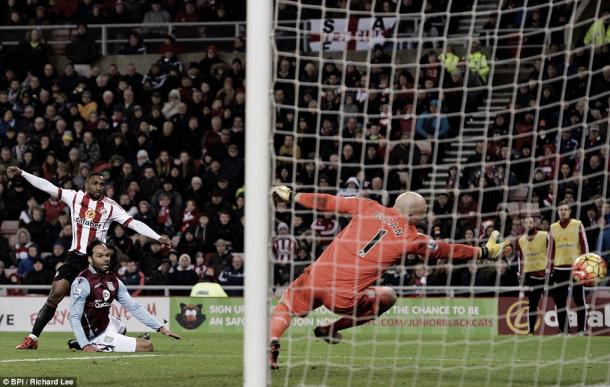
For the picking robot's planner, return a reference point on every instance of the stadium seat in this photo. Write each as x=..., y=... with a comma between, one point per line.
x=9, y=227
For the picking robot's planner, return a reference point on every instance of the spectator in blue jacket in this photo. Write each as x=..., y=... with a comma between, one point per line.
x=233, y=275
x=432, y=124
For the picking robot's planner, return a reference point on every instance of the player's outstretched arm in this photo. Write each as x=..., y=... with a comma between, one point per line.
x=78, y=295
x=322, y=202
x=36, y=181
x=143, y=229
x=126, y=220
x=137, y=310
x=438, y=249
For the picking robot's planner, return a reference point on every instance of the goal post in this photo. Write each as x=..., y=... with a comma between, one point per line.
x=258, y=165
x=369, y=102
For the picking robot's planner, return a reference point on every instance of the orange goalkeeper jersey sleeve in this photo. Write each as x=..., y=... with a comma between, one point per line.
x=375, y=239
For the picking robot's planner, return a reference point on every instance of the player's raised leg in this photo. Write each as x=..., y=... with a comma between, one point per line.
x=372, y=303
x=280, y=321
x=298, y=300
x=59, y=290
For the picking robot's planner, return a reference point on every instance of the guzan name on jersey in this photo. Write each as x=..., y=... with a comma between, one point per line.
x=91, y=218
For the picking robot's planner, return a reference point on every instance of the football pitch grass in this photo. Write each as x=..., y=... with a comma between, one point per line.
x=362, y=360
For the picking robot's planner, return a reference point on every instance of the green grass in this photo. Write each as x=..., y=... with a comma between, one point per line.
x=362, y=360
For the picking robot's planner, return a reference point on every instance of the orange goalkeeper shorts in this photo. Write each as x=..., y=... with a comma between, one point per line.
x=303, y=296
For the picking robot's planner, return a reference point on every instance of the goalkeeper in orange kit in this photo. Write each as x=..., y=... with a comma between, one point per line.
x=342, y=277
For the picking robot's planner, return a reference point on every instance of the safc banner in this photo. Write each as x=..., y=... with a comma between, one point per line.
x=513, y=312
x=349, y=34
x=17, y=314
x=410, y=315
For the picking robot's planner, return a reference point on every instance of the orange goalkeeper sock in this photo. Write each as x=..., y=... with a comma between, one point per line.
x=280, y=321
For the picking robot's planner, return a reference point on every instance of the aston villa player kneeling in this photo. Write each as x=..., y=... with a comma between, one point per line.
x=92, y=294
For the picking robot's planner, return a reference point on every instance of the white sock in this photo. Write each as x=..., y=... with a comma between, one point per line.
x=33, y=337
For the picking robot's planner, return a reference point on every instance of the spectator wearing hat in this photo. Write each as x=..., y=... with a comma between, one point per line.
x=188, y=244
x=160, y=275
x=228, y=192
x=26, y=265
x=216, y=205
x=183, y=274
x=352, y=188
x=142, y=161
x=39, y=275
x=170, y=108
x=145, y=214
x=197, y=192
x=168, y=188
x=201, y=233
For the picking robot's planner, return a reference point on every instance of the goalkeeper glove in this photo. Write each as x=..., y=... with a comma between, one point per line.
x=493, y=249
x=282, y=192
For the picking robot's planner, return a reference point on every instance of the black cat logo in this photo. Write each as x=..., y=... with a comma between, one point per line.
x=190, y=316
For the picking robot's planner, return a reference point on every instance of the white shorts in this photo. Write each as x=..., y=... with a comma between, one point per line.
x=112, y=340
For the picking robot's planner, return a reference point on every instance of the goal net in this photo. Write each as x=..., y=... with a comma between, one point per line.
x=493, y=111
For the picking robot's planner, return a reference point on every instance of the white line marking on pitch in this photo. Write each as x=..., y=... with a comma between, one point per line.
x=79, y=358
x=294, y=356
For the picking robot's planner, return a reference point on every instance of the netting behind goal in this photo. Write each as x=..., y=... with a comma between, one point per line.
x=493, y=111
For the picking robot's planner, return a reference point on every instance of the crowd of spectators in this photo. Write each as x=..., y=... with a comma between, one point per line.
x=168, y=137
x=45, y=12
x=367, y=133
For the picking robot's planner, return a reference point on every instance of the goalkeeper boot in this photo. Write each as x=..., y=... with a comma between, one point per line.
x=73, y=344
x=28, y=343
x=274, y=354
x=324, y=333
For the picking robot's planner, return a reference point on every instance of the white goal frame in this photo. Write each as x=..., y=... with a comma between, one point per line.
x=258, y=167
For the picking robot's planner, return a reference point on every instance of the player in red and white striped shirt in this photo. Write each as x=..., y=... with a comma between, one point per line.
x=91, y=215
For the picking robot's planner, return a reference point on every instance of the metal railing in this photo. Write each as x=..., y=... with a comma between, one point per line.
x=447, y=291
x=200, y=34
x=165, y=288
x=117, y=34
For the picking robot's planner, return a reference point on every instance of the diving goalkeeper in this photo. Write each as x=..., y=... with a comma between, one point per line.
x=342, y=277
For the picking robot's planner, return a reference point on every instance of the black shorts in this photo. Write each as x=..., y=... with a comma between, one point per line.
x=72, y=268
